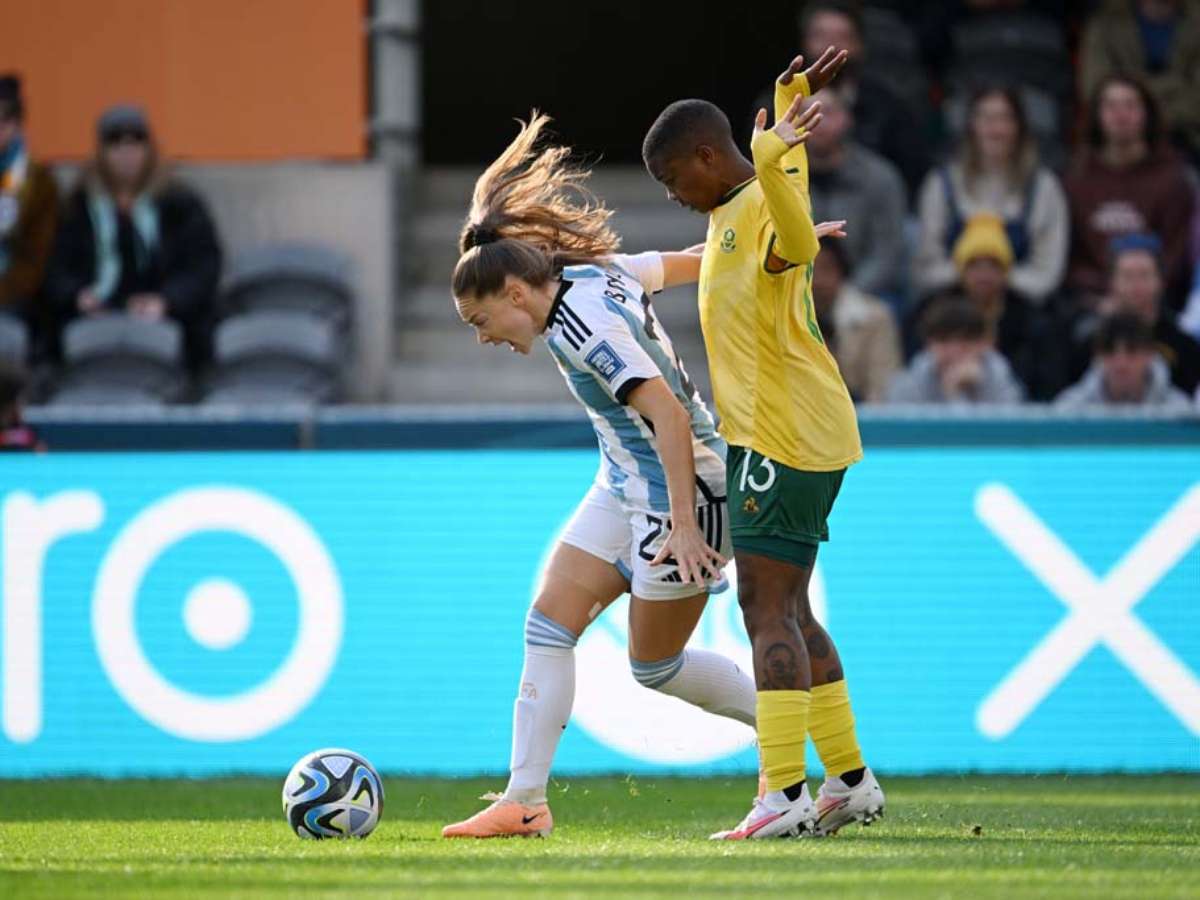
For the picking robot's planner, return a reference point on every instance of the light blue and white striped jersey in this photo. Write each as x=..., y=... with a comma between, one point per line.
x=606, y=340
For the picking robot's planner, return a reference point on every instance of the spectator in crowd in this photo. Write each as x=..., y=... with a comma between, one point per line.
x=858, y=328
x=1127, y=371
x=848, y=181
x=14, y=433
x=1189, y=319
x=1158, y=40
x=1027, y=336
x=883, y=119
x=1127, y=180
x=28, y=210
x=996, y=170
x=958, y=365
x=1135, y=288
x=134, y=239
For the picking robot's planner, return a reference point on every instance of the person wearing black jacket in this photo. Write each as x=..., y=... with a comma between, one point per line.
x=132, y=239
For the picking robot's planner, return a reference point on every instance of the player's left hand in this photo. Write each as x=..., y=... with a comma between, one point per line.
x=820, y=73
x=698, y=563
x=795, y=126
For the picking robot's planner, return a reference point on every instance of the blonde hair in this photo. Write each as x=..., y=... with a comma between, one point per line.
x=530, y=215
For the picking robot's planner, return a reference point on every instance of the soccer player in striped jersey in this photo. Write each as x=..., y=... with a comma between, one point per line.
x=792, y=434
x=539, y=261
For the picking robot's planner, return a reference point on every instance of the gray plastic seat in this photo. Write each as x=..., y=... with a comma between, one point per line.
x=310, y=278
x=122, y=335
x=273, y=333
x=273, y=378
x=118, y=359
x=105, y=395
x=271, y=356
x=14, y=341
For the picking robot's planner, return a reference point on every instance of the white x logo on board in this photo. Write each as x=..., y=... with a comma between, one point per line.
x=1101, y=610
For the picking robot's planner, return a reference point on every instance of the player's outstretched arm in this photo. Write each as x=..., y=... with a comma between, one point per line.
x=795, y=239
x=682, y=267
x=673, y=430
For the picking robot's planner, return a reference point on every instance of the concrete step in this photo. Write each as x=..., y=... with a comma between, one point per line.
x=482, y=378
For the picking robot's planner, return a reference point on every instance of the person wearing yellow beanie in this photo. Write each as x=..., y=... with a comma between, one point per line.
x=983, y=255
x=983, y=237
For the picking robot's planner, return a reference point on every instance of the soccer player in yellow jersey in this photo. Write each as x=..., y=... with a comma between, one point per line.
x=791, y=429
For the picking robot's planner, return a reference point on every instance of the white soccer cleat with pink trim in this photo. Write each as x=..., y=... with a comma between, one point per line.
x=773, y=815
x=839, y=805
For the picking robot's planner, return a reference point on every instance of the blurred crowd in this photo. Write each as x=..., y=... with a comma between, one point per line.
x=127, y=237
x=1019, y=178
x=111, y=292
x=1021, y=191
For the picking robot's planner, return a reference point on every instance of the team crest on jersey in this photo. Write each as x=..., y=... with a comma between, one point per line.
x=728, y=244
x=750, y=506
x=605, y=361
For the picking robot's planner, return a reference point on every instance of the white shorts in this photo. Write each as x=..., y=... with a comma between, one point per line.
x=631, y=538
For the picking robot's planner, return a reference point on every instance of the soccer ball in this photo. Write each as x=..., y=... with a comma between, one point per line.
x=333, y=794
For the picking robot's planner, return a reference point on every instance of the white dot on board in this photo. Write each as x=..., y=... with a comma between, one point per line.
x=217, y=614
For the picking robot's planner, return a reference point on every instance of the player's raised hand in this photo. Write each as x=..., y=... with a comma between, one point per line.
x=820, y=73
x=836, y=228
x=698, y=563
x=795, y=125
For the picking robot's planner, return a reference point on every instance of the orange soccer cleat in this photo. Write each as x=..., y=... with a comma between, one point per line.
x=504, y=818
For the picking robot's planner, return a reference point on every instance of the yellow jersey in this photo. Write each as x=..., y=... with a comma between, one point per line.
x=777, y=387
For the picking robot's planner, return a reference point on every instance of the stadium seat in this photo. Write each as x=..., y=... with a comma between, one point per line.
x=14, y=341
x=895, y=55
x=272, y=356
x=117, y=359
x=1011, y=48
x=308, y=278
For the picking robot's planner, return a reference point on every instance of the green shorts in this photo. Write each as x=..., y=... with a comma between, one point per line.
x=777, y=511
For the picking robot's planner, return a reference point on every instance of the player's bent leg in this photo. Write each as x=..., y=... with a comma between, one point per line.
x=576, y=587
x=658, y=635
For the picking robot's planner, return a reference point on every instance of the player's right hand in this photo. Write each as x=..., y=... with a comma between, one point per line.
x=692, y=555
x=795, y=125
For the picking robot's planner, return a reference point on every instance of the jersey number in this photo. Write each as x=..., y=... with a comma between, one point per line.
x=656, y=526
x=757, y=484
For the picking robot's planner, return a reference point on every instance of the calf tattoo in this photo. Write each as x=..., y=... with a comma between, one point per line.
x=780, y=669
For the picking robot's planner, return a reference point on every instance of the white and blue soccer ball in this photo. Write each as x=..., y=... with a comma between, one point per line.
x=333, y=793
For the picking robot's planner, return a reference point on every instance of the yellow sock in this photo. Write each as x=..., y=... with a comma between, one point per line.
x=782, y=724
x=831, y=724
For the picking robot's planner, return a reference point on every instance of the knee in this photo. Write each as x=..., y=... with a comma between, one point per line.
x=655, y=674
x=542, y=631
x=761, y=613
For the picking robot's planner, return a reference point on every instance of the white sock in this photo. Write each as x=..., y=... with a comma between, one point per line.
x=542, y=708
x=713, y=682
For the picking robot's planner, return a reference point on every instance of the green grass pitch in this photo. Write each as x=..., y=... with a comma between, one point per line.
x=1104, y=837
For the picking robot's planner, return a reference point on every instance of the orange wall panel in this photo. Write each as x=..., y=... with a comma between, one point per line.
x=220, y=79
